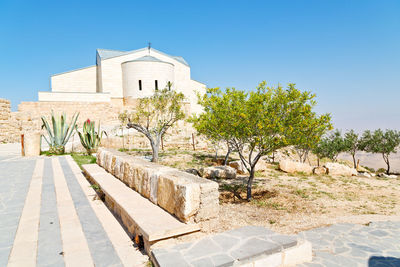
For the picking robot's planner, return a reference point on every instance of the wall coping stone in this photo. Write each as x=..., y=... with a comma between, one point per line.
x=188, y=197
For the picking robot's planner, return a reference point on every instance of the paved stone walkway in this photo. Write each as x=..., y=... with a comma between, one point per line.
x=49, y=218
x=227, y=248
x=376, y=244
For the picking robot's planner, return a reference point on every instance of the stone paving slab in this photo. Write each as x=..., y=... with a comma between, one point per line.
x=56, y=198
x=344, y=244
x=225, y=249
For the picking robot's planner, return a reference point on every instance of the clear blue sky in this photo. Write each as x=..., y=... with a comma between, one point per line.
x=347, y=52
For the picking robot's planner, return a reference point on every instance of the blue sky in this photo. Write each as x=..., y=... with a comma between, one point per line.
x=347, y=52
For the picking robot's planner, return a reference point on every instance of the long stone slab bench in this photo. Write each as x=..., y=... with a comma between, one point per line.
x=188, y=197
x=246, y=246
x=140, y=216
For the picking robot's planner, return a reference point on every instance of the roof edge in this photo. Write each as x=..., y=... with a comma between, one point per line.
x=65, y=72
x=141, y=49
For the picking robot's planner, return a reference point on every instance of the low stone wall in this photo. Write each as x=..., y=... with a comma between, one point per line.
x=104, y=112
x=9, y=130
x=186, y=196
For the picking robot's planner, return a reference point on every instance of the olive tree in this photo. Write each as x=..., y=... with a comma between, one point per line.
x=351, y=144
x=154, y=115
x=381, y=142
x=330, y=146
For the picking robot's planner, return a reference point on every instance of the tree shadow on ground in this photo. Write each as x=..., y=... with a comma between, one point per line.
x=379, y=261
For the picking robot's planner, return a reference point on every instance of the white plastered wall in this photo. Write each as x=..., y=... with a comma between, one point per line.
x=82, y=80
x=112, y=81
x=147, y=72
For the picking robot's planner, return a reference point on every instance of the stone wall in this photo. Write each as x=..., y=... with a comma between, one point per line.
x=188, y=197
x=104, y=112
x=28, y=119
x=9, y=130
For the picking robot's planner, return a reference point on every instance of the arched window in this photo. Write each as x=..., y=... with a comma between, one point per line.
x=156, y=85
x=140, y=85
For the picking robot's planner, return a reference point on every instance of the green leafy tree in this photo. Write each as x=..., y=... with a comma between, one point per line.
x=330, y=146
x=352, y=144
x=381, y=142
x=154, y=115
x=262, y=121
x=214, y=123
x=308, y=131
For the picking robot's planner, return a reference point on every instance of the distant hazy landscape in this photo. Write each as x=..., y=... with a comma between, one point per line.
x=375, y=160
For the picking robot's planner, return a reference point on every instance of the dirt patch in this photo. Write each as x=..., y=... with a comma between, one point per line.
x=292, y=203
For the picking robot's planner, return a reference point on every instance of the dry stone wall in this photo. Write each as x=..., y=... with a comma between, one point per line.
x=104, y=112
x=28, y=119
x=188, y=197
x=9, y=130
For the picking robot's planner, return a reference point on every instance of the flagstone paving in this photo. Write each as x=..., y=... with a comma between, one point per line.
x=48, y=217
x=375, y=244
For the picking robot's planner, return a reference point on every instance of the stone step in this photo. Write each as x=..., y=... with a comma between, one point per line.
x=246, y=246
x=75, y=246
x=140, y=216
x=129, y=254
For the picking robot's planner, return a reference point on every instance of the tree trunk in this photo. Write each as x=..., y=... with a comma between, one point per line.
x=386, y=159
x=227, y=156
x=318, y=161
x=155, y=147
x=354, y=161
x=250, y=182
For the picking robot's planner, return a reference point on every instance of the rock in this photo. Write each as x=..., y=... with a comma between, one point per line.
x=193, y=171
x=365, y=174
x=293, y=167
x=319, y=170
x=362, y=169
x=392, y=176
x=261, y=165
x=238, y=166
x=340, y=169
x=218, y=172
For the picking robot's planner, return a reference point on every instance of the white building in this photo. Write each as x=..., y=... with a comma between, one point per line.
x=124, y=75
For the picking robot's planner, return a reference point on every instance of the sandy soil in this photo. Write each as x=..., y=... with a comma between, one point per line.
x=293, y=203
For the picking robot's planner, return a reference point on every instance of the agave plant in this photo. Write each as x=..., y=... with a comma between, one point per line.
x=59, y=133
x=90, y=139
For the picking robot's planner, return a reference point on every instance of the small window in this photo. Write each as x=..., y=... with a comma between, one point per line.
x=140, y=85
x=156, y=85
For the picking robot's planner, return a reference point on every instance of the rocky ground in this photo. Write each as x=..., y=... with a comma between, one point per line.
x=292, y=203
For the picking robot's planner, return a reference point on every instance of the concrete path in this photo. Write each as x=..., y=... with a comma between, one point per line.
x=49, y=217
x=376, y=244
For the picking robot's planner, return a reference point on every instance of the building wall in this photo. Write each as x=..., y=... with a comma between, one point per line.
x=147, y=73
x=82, y=80
x=112, y=75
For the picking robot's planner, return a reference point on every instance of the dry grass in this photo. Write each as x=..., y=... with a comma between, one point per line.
x=292, y=203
